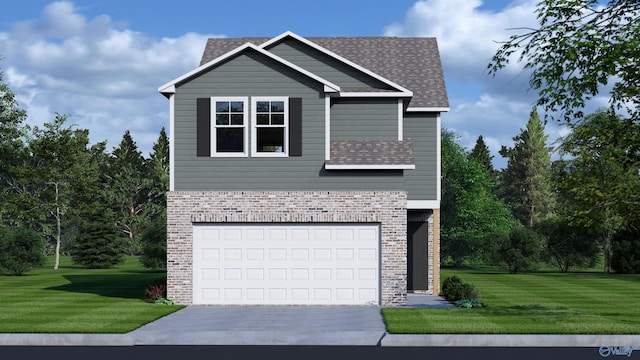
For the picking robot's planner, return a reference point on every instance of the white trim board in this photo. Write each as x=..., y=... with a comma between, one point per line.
x=423, y=204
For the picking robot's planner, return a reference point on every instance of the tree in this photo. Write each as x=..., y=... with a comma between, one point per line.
x=12, y=148
x=625, y=247
x=525, y=183
x=129, y=190
x=568, y=246
x=469, y=208
x=154, y=245
x=20, y=250
x=598, y=184
x=579, y=48
x=98, y=244
x=58, y=171
x=481, y=154
x=519, y=249
x=158, y=177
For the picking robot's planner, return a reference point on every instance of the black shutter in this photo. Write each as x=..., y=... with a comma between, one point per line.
x=295, y=127
x=203, y=128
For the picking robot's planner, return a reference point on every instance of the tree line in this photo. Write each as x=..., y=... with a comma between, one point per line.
x=569, y=212
x=78, y=198
x=585, y=205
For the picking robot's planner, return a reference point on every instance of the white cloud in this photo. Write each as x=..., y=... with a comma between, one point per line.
x=495, y=107
x=104, y=76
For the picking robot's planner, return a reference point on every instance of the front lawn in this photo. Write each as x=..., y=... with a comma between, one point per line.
x=535, y=303
x=76, y=300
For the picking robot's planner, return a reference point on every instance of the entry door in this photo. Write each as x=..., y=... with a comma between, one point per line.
x=417, y=255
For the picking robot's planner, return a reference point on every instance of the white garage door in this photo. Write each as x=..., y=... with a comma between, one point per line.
x=323, y=264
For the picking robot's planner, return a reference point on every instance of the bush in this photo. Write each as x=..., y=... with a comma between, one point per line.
x=519, y=249
x=568, y=246
x=452, y=288
x=20, y=250
x=154, y=245
x=156, y=292
x=463, y=294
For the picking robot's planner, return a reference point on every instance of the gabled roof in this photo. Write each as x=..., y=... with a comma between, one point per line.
x=169, y=87
x=411, y=63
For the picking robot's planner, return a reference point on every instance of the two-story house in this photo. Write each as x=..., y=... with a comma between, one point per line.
x=306, y=171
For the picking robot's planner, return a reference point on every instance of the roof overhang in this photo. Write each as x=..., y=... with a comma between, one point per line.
x=402, y=90
x=428, y=109
x=170, y=87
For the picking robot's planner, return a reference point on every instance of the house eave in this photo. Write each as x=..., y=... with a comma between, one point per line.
x=335, y=56
x=170, y=87
x=428, y=109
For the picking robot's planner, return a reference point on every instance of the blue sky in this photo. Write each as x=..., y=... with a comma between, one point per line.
x=102, y=61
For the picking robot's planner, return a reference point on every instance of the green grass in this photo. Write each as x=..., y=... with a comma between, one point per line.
x=534, y=303
x=76, y=300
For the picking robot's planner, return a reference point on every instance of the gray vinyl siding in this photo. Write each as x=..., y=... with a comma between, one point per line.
x=325, y=66
x=252, y=74
x=364, y=119
x=421, y=183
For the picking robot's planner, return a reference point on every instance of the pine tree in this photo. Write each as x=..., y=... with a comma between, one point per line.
x=98, y=244
x=129, y=190
x=525, y=183
x=481, y=153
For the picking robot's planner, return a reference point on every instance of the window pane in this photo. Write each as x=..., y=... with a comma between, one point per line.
x=237, y=106
x=270, y=140
x=277, y=106
x=277, y=119
x=222, y=106
x=262, y=106
x=229, y=140
x=222, y=119
x=262, y=119
x=237, y=119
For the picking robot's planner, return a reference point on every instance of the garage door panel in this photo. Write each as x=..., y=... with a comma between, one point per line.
x=320, y=264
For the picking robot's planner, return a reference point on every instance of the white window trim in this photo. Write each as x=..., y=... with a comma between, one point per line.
x=254, y=127
x=245, y=126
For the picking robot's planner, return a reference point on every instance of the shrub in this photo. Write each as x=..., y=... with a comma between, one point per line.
x=568, y=246
x=452, y=288
x=519, y=249
x=154, y=245
x=468, y=303
x=156, y=292
x=20, y=250
x=461, y=293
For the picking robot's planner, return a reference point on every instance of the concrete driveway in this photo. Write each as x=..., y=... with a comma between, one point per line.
x=265, y=325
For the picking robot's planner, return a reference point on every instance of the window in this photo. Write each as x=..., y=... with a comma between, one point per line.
x=229, y=130
x=270, y=126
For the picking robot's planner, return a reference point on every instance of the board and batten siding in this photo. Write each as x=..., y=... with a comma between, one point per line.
x=252, y=74
x=364, y=119
x=325, y=66
x=422, y=128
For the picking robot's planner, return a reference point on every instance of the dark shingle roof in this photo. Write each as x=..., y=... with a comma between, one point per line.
x=371, y=152
x=413, y=63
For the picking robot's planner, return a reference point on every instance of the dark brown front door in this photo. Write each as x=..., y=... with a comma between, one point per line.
x=417, y=255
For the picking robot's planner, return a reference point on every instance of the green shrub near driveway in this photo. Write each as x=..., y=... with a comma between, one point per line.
x=77, y=300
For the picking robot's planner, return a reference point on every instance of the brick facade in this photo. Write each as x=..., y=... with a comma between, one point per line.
x=387, y=208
